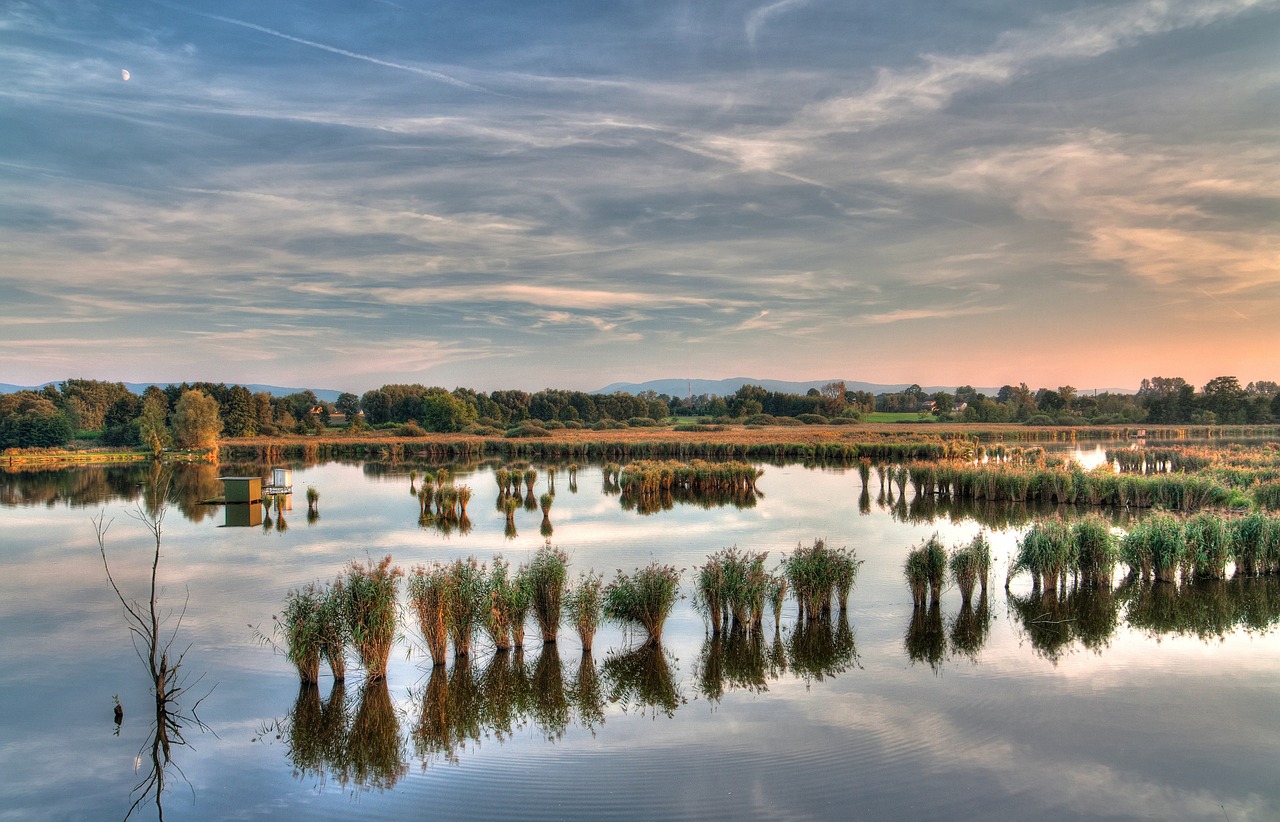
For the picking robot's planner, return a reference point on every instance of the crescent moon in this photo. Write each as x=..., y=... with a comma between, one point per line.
x=124, y=74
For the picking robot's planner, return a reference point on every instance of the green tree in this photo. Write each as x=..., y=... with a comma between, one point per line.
x=240, y=415
x=196, y=423
x=152, y=425
x=443, y=412
x=347, y=404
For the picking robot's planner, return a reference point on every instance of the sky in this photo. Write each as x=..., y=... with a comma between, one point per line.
x=571, y=194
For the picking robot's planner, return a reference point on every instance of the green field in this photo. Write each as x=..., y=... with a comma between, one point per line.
x=904, y=416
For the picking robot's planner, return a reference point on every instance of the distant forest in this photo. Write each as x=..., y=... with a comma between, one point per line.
x=195, y=415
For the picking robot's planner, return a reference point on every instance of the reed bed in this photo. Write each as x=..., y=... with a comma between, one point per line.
x=643, y=598
x=970, y=565
x=925, y=569
x=1096, y=550
x=504, y=600
x=429, y=599
x=372, y=613
x=546, y=580
x=583, y=607
x=816, y=573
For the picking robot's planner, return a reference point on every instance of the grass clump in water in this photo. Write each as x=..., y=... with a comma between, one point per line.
x=582, y=606
x=428, y=596
x=816, y=573
x=370, y=608
x=926, y=571
x=643, y=598
x=546, y=579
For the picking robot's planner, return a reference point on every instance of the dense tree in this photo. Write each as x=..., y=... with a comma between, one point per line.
x=152, y=423
x=347, y=404
x=32, y=420
x=196, y=423
x=443, y=412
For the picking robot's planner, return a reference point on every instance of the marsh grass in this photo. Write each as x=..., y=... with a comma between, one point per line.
x=546, y=579
x=1047, y=550
x=643, y=598
x=300, y=622
x=428, y=597
x=1208, y=545
x=466, y=600
x=499, y=594
x=925, y=569
x=1096, y=550
x=371, y=612
x=582, y=606
x=816, y=573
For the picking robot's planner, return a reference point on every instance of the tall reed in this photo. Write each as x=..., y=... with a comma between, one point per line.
x=370, y=600
x=547, y=573
x=465, y=582
x=301, y=623
x=643, y=598
x=429, y=598
x=582, y=606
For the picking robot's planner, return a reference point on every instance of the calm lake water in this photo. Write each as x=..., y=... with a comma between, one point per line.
x=1139, y=703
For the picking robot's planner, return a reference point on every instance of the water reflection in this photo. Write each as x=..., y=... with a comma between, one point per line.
x=971, y=628
x=1204, y=608
x=926, y=639
x=153, y=642
x=1055, y=619
x=640, y=679
x=329, y=740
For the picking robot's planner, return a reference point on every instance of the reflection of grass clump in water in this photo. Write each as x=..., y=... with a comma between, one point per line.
x=926, y=640
x=317, y=732
x=582, y=606
x=550, y=704
x=644, y=598
x=971, y=627
x=586, y=695
x=823, y=648
x=546, y=580
x=375, y=749
x=371, y=612
x=641, y=679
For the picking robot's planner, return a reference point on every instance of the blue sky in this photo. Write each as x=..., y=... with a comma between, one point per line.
x=530, y=194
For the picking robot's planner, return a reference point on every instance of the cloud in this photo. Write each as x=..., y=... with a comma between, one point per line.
x=757, y=19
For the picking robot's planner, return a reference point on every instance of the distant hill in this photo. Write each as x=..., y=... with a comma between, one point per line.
x=723, y=388
x=325, y=394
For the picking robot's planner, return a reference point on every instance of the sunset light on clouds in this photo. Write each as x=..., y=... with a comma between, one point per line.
x=516, y=195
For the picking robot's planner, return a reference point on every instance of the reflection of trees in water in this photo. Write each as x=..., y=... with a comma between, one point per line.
x=1055, y=619
x=926, y=639
x=1203, y=608
x=640, y=679
x=164, y=668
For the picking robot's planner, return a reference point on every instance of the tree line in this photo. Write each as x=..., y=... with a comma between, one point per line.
x=194, y=415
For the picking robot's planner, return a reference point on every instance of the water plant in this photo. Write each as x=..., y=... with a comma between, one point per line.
x=1047, y=550
x=1096, y=550
x=926, y=570
x=370, y=609
x=335, y=634
x=466, y=601
x=500, y=589
x=816, y=573
x=313, y=498
x=643, y=598
x=1208, y=545
x=428, y=596
x=582, y=606
x=300, y=621
x=546, y=579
